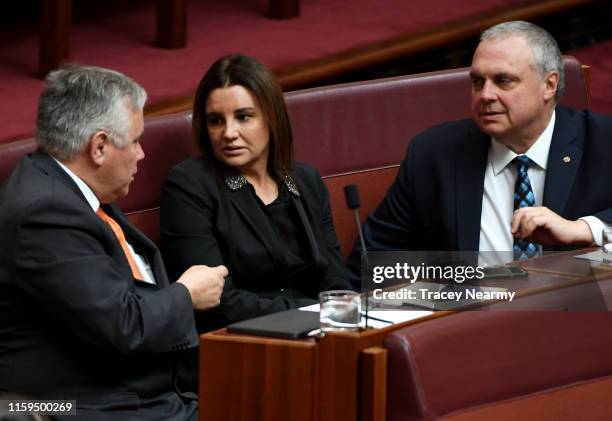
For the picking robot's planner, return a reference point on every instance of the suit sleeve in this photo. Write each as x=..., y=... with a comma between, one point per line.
x=189, y=238
x=598, y=195
x=390, y=226
x=63, y=267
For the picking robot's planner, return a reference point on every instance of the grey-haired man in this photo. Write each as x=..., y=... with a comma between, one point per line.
x=86, y=310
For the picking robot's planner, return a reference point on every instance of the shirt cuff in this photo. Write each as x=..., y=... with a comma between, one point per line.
x=596, y=226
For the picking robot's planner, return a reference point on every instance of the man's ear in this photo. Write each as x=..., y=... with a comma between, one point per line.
x=551, y=84
x=97, y=147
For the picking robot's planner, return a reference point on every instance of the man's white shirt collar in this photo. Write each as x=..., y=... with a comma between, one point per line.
x=501, y=155
x=85, y=189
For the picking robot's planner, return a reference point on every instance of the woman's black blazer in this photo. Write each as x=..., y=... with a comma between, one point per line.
x=207, y=221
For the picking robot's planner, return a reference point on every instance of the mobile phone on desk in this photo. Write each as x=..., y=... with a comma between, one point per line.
x=498, y=272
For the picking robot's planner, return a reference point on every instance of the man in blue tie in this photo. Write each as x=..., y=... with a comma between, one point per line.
x=523, y=174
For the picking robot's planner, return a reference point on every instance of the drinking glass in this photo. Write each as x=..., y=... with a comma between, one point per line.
x=340, y=310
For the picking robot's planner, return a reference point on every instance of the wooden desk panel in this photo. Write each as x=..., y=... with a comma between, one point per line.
x=283, y=9
x=250, y=378
x=171, y=26
x=54, y=37
x=254, y=378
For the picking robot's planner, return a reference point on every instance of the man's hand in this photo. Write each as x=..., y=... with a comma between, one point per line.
x=204, y=284
x=543, y=226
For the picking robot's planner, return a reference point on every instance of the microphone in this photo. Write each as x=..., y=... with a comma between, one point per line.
x=351, y=194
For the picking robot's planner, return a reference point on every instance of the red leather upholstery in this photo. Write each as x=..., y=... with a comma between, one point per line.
x=370, y=196
x=337, y=129
x=11, y=153
x=462, y=366
x=166, y=142
x=576, y=91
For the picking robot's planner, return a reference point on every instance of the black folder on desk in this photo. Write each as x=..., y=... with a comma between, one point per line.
x=290, y=324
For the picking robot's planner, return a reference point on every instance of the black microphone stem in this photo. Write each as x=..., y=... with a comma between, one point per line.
x=364, y=254
x=351, y=194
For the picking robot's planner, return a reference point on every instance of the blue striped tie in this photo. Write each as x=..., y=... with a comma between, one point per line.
x=523, y=196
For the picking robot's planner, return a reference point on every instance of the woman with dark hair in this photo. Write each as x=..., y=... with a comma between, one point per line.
x=245, y=204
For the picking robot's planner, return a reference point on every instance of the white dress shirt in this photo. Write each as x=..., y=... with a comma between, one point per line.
x=498, y=195
x=143, y=266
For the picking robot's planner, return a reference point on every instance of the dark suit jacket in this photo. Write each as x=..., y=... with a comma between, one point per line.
x=74, y=323
x=203, y=221
x=435, y=202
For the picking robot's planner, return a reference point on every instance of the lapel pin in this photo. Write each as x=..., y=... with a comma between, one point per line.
x=567, y=159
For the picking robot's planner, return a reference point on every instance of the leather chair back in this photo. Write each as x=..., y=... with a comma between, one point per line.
x=513, y=365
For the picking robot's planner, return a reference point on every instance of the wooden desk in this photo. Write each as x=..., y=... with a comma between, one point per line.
x=56, y=20
x=343, y=375
x=254, y=378
x=171, y=21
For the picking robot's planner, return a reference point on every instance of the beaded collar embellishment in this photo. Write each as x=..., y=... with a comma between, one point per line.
x=236, y=182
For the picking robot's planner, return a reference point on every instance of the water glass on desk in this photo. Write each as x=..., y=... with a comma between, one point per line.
x=606, y=245
x=340, y=310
